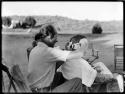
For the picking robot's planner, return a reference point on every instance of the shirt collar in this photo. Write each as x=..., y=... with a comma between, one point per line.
x=41, y=44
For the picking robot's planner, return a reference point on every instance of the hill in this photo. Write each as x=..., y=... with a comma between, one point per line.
x=68, y=25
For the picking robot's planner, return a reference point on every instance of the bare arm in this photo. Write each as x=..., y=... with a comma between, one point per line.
x=75, y=54
x=63, y=55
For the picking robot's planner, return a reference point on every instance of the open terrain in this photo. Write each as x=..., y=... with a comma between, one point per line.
x=14, y=45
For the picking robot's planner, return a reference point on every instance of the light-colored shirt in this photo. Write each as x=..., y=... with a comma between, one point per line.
x=78, y=68
x=42, y=62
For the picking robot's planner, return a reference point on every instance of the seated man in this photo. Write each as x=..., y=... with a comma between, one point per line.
x=42, y=63
x=79, y=67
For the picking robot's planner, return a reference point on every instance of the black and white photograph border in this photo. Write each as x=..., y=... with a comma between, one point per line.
x=62, y=46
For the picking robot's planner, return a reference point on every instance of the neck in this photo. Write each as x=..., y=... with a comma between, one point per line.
x=48, y=44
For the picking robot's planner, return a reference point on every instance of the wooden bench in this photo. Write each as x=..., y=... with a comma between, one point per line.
x=118, y=57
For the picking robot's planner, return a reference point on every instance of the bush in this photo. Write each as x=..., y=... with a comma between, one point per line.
x=6, y=21
x=29, y=22
x=24, y=25
x=97, y=29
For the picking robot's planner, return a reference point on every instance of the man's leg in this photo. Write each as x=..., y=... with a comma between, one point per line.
x=58, y=77
x=58, y=80
x=73, y=85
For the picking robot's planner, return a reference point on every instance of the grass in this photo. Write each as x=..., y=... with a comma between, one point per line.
x=14, y=45
x=14, y=48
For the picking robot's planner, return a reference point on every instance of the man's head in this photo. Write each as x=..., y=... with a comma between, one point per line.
x=76, y=42
x=47, y=34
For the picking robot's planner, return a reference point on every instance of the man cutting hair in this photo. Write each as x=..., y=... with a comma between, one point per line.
x=42, y=63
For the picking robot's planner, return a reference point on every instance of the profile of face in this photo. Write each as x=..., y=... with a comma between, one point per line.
x=50, y=41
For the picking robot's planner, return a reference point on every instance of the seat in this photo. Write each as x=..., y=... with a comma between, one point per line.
x=93, y=53
x=118, y=57
x=19, y=79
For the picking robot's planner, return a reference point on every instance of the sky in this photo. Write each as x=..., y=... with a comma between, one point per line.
x=101, y=11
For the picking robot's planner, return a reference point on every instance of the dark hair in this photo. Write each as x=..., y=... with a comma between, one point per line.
x=37, y=36
x=46, y=30
x=34, y=43
x=77, y=38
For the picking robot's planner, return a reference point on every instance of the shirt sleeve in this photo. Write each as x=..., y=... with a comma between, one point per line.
x=59, y=54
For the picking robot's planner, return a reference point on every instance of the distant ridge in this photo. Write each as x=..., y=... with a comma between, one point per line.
x=68, y=25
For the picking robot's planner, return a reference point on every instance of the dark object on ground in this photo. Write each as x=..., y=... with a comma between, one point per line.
x=97, y=29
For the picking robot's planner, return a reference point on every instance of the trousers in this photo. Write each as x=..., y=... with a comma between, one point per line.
x=73, y=85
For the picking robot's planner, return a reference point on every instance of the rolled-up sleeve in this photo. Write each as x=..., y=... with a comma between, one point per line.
x=59, y=54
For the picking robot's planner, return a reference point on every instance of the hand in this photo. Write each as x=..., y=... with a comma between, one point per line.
x=98, y=69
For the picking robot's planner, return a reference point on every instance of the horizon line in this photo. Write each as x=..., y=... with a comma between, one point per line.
x=63, y=17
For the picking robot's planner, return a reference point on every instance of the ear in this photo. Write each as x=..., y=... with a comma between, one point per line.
x=84, y=43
